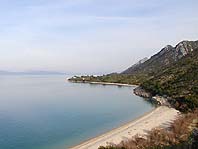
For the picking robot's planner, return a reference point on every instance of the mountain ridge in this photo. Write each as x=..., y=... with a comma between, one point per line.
x=163, y=58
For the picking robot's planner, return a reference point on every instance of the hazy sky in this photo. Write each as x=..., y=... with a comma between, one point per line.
x=90, y=36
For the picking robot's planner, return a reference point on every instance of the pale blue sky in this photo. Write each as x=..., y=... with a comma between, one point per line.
x=90, y=36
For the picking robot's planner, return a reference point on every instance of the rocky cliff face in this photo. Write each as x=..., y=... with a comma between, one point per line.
x=166, y=56
x=141, y=92
x=185, y=47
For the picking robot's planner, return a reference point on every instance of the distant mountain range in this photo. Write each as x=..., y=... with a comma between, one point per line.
x=167, y=56
x=31, y=73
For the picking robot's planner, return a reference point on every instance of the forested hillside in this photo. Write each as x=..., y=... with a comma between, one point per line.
x=179, y=81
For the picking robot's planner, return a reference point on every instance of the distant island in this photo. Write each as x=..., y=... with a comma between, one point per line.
x=170, y=75
x=31, y=73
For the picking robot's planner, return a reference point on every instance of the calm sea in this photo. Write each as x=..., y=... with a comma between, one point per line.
x=47, y=112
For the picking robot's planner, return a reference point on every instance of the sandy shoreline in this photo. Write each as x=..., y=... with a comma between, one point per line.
x=159, y=117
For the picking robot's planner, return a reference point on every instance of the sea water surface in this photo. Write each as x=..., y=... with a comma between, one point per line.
x=48, y=112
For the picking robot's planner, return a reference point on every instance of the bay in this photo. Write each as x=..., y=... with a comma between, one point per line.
x=48, y=112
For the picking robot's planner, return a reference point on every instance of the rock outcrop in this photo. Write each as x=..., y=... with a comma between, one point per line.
x=158, y=100
x=141, y=92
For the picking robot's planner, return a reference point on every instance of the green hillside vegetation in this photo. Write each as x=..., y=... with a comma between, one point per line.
x=113, y=78
x=179, y=81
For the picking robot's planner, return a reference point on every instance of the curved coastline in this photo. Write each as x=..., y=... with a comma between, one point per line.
x=105, y=83
x=161, y=116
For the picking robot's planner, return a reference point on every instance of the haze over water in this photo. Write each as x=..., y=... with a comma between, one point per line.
x=47, y=112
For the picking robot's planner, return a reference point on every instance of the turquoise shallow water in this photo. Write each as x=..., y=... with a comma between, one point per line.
x=47, y=112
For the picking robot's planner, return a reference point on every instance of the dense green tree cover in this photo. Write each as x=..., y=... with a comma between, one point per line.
x=179, y=81
x=112, y=78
